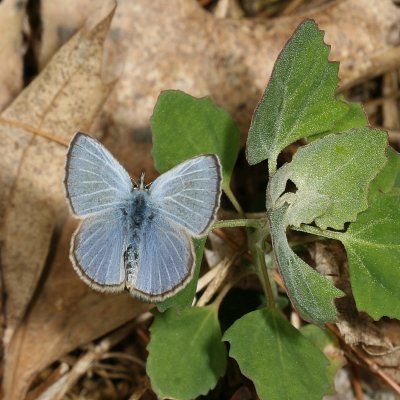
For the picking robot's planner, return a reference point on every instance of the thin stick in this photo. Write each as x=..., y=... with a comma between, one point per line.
x=232, y=199
x=368, y=362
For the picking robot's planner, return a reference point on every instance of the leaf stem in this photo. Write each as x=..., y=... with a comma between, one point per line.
x=272, y=165
x=259, y=260
x=233, y=200
x=233, y=223
x=267, y=282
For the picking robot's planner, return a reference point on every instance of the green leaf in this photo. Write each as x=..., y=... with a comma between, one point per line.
x=184, y=126
x=311, y=294
x=184, y=297
x=186, y=355
x=332, y=177
x=373, y=250
x=280, y=361
x=299, y=100
x=354, y=118
x=327, y=342
x=386, y=179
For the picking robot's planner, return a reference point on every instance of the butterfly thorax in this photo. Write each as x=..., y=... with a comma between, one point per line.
x=140, y=214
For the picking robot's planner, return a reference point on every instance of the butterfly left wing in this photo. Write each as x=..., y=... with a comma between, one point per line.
x=97, y=250
x=166, y=260
x=94, y=180
x=189, y=194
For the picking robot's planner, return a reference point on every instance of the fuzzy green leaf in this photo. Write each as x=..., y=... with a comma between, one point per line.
x=354, y=118
x=184, y=298
x=311, y=293
x=184, y=126
x=280, y=361
x=186, y=355
x=332, y=177
x=373, y=250
x=299, y=100
x=387, y=178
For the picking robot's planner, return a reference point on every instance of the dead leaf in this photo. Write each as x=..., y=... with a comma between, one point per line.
x=66, y=315
x=12, y=14
x=65, y=97
x=58, y=27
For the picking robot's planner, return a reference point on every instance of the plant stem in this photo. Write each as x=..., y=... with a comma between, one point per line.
x=266, y=280
x=259, y=260
x=233, y=223
x=232, y=199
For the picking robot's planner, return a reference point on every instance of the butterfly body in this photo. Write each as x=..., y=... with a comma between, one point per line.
x=133, y=236
x=140, y=214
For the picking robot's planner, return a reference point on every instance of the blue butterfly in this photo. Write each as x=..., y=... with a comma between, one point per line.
x=136, y=236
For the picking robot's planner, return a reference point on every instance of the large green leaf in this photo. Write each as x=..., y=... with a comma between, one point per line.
x=186, y=355
x=184, y=298
x=280, y=361
x=311, y=293
x=184, y=126
x=299, y=100
x=332, y=177
x=373, y=250
x=373, y=245
x=354, y=118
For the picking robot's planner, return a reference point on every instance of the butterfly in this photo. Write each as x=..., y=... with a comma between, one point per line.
x=135, y=236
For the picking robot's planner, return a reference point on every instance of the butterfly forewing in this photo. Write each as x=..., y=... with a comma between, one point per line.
x=94, y=180
x=97, y=250
x=189, y=194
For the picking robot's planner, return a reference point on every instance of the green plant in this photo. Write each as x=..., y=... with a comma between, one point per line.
x=347, y=188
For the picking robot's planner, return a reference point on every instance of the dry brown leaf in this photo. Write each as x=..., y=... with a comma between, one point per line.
x=66, y=315
x=58, y=27
x=65, y=97
x=12, y=14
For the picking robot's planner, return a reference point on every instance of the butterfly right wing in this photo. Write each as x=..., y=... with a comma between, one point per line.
x=189, y=194
x=97, y=250
x=94, y=180
x=166, y=260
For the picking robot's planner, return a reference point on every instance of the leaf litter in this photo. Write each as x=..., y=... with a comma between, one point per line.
x=124, y=121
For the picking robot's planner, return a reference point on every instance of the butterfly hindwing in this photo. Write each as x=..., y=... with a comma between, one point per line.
x=189, y=193
x=97, y=250
x=166, y=260
x=94, y=180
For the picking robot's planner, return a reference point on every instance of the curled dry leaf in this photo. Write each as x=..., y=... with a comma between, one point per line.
x=65, y=97
x=12, y=14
